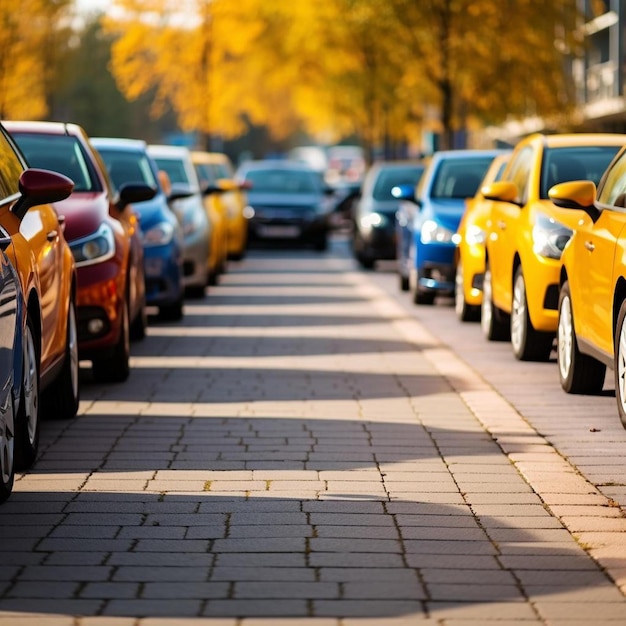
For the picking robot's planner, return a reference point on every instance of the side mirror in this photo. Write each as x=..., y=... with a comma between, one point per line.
x=501, y=191
x=39, y=186
x=134, y=192
x=178, y=191
x=578, y=194
x=208, y=189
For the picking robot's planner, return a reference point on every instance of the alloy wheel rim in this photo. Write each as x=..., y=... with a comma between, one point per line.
x=621, y=369
x=486, y=310
x=459, y=296
x=31, y=390
x=565, y=339
x=73, y=350
x=518, y=313
x=7, y=443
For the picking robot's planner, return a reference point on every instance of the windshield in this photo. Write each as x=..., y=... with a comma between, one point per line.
x=175, y=169
x=59, y=153
x=574, y=163
x=127, y=167
x=460, y=178
x=283, y=181
x=390, y=178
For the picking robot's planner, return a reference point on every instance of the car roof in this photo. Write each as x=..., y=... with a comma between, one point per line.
x=165, y=150
x=280, y=164
x=119, y=142
x=50, y=128
x=577, y=139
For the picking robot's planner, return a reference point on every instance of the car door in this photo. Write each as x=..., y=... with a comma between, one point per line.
x=503, y=227
x=597, y=252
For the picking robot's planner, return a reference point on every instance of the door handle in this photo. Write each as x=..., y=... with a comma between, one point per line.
x=501, y=225
x=589, y=245
x=52, y=235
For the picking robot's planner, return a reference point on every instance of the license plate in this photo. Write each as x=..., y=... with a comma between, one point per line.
x=284, y=232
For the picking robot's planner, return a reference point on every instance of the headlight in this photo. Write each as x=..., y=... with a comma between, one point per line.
x=373, y=220
x=192, y=221
x=159, y=235
x=475, y=236
x=248, y=212
x=94, y=248
x=435, y=233
x=549, y=236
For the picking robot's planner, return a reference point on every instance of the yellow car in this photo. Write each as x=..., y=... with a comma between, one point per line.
x=591, y=331
x=526, y=234
x=217, y=212
x=216, y=170
x=470, y=252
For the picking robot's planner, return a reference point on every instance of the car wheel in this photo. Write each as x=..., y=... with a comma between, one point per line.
x=172, y=312
x=116, y=368
x=464, y=311
x=139, y=325
x=7, y=451
x=27, y=419
x=60, y=400
x=491, y=318
x=528, y=344
x=423, y=297
x=620, y=363
x=321, y=245
x=578, y=372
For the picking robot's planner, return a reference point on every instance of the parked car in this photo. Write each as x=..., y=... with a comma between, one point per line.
x=470, y=252
x=128, y=162
x=428, y=218
x=218, y=213
x=38, y=349
x=374, y=230
x=217, y=171
x=103, y=233
x=591, y=332
x=185, y=199
x=287, y=202
x=526, y=234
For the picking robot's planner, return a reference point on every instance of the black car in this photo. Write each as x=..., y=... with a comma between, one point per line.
x=287, y=201
x=375, y=212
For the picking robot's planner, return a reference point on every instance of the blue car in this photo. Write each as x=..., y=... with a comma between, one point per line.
x=428, y=217
x=128, y=162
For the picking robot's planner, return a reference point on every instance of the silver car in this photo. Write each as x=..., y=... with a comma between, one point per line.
x=185, y=198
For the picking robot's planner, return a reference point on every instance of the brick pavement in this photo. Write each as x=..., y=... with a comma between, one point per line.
x=302, y=450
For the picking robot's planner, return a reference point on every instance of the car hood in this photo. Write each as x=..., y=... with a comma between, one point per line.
x=284, y=200
x=83, y=212
x=152, y=211
x=447, y=212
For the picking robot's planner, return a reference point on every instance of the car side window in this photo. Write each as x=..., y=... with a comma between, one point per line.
x=10, y=169
x=519, y=172
x=612, y=190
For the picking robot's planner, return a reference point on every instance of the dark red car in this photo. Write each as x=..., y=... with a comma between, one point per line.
x=103, y=232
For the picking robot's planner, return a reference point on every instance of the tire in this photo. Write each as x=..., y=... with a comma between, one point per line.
x=172, y=312
x=492, y=319
x=528, y=344
x=423, y=297
x=61, y=399
x=404, y=283
x=620, y=364
x=366, y=263
x=27, y=422
x=116, y=368
x=578, y=372
x=465, y=312
x=321, y=245
x=139, y=325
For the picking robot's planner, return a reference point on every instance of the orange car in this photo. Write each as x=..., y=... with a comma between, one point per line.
x=34, y=243
x=103, y=232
